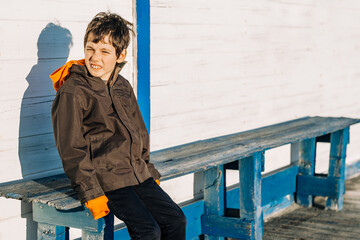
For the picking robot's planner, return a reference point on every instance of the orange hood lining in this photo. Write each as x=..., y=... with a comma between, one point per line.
x=61, y=74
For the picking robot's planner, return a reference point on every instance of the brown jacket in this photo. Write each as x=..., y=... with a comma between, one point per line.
x=100, y=134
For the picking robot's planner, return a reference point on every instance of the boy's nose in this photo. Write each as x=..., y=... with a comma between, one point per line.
x=95, y=55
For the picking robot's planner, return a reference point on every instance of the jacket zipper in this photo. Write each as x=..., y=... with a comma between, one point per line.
x=131, y=138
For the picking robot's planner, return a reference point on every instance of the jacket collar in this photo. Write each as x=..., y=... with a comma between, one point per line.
x=97, y=83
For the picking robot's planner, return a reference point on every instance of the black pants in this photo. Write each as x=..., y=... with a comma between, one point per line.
x=148, y=212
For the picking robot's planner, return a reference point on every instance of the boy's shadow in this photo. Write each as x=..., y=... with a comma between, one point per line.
x=37, y=152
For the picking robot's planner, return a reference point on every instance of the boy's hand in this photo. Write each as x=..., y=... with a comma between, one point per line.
x=98, y=207
x=157, y=181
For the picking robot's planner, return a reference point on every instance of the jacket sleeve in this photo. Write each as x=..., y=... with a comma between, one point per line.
x=144, y=135
x=67, y=118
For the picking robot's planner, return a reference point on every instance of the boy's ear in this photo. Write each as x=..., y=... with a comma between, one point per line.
x=122, y=56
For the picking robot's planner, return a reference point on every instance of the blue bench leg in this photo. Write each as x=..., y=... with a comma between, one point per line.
x=250, y=224
x=339, y=141
x=89, y=235
x=49, y=219
x=307, y=150
x=51, y=232
x=214, y=199
x=250, y=193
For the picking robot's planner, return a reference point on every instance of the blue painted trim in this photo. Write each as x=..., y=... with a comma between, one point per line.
x=78, y=217
x=250, y=189
x=121, y=234
x=279, y=183
x=230, y=227
x=51, y=232
x=338, y=141
x=214, y=191
x=278, y=205
x=143, y=59
x=317, y=186
x=307, y=152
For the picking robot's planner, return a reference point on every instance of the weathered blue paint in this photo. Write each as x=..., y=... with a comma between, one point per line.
x=338, y=141
x=307, y=150
x=278, y=184
x=275, y=185
x=215, y=225
x=278, y=205
x=143, y=58
x=90, y=235
x=214, y=194
x=121, y=234
x=317, y=186
x=214, y=191
x=262, y=161
x=277, y=191
x=193, y=214
x=250, y=192
x=51, y=232
x=77, y=218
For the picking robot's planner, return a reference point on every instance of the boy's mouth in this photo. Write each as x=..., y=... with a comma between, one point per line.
x=94, y=66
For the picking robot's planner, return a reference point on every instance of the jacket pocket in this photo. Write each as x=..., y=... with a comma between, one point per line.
x=98, y=152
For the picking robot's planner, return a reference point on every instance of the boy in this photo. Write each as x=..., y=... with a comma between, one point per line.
x=102, y=139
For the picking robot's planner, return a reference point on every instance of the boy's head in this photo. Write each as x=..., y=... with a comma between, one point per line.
x=106, y=39
x=104, y=24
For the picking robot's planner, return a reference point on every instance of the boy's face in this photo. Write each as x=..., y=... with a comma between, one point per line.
x=100, y=58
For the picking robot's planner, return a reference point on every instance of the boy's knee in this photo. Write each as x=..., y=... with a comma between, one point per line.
x=154, y=233
x=180, y=221
x=176, y=230
x=145, y=232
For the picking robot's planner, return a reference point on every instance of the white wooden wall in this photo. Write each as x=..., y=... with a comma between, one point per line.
x=35, y=37
x=219, y=67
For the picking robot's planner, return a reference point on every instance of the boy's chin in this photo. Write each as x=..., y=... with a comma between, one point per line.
x=96, y=74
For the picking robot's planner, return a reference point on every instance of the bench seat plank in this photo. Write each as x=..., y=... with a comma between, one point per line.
x=205, y=154
x=25, y=189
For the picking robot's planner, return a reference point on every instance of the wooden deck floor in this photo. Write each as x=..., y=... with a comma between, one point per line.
x=315, y=223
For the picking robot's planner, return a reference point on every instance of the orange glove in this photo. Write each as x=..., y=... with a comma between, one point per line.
x=157, y=181
x=98, y=207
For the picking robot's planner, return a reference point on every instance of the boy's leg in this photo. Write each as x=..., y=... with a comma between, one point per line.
x=127, y=206
x=166, y=212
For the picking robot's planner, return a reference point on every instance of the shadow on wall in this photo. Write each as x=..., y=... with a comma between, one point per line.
x=37, y=152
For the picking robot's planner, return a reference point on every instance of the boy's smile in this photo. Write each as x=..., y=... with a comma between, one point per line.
x=100, y=57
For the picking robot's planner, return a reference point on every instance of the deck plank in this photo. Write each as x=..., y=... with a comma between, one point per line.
x=317, y=223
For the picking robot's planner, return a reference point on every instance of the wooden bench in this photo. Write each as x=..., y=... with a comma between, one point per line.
x=55, y=204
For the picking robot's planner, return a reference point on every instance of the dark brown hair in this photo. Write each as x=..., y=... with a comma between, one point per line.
x=104, y=24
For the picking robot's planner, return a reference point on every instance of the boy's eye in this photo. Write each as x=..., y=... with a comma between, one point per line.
x=89, y=49
x=107, y=52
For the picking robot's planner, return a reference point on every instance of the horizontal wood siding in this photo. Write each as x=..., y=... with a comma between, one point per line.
x=221, y=67
x=36, y=38
x=39, y=36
